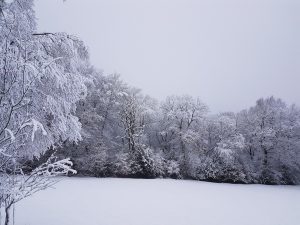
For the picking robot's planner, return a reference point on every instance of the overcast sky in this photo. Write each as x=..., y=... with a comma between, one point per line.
x=227, y=52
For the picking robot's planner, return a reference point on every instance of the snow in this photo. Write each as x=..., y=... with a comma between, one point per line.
x=112, y=201
x=11, y=134
x=36, y=125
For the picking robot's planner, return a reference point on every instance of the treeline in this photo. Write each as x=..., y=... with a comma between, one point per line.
x=127, y=134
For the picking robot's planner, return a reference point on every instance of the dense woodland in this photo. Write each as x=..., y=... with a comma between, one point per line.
x=127, y=134
x=59, y=115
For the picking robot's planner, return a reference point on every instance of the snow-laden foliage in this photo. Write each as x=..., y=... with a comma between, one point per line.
x=41, y=79
x=271, y=131
x=179, y=139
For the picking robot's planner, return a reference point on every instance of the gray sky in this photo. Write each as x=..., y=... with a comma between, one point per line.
x=227, y=52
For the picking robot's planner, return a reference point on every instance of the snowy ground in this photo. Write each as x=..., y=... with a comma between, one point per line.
x=91, y=201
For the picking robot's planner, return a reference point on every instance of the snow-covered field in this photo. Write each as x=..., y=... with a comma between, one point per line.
x=92, y=201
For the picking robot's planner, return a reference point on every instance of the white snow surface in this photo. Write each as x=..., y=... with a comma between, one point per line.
x=112, y=201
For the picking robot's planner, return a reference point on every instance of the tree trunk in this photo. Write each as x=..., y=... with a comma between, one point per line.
x=185, y=156
x=7, y=215
x=265, y=158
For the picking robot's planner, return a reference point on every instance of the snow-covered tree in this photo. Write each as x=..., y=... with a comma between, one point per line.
x=40, y=82
x=271, y=131
x=180, y=116
x=99, y=114
x=135, y=114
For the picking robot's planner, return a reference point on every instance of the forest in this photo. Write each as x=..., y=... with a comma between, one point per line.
x=59, y=115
